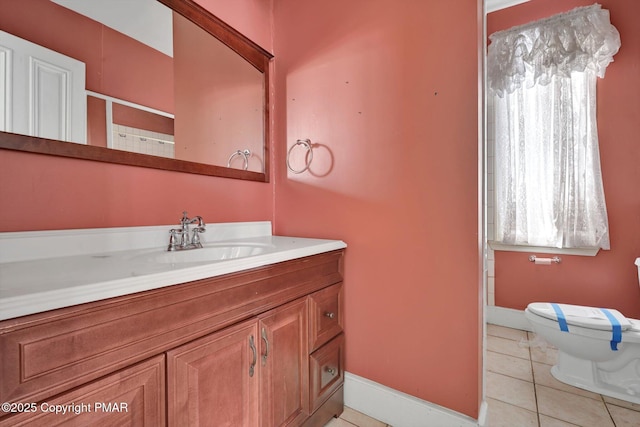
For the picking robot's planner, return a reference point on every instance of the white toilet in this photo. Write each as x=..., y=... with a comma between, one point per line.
x=598, y=349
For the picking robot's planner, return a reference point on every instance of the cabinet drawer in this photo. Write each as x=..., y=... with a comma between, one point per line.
x=325, y=319
x=326, y=367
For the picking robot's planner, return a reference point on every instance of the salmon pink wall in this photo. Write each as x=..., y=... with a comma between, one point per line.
x=45, y=192
x=96, y=121
x=387, y=92
x=40, y=192
x=134, y=117
x=609, y=279
x=251, y=17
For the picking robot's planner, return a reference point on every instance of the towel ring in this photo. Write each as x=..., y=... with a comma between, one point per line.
x=245, y=156
x=307, y=145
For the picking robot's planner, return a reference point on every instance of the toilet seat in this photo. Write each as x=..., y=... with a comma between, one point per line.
x=582, y=316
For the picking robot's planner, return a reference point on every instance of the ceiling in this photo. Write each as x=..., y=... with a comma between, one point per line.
x=493, y=5
x=147, y=21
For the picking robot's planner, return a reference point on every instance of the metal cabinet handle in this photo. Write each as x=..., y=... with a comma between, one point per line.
x=330, y=370
x=330, y=314
x=266, y=346
x=252, y=346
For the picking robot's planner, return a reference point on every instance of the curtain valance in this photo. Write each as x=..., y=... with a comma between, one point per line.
x=580, y=39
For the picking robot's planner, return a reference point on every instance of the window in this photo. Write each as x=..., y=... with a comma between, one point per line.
x=548, y=183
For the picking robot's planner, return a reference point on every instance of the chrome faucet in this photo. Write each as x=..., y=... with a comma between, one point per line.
x=182, y=238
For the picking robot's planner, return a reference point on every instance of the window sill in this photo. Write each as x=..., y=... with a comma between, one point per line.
x=497, y=246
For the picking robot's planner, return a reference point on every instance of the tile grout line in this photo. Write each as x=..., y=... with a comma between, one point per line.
x=533, y=379
x=608, y=411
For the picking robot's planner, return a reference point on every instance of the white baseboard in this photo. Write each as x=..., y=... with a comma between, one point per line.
x=398, y=409
x=482, y=415
x=507, y=317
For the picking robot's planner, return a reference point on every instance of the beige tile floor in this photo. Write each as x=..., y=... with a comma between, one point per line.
x=521, y=391
x=352, y=418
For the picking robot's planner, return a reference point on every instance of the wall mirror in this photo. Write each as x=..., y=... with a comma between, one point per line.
x=194, y=99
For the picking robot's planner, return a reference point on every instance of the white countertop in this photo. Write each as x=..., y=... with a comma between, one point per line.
x=32, y=281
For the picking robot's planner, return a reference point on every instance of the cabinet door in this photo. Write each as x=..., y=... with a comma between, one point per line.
x=213, y=381
x=131, y=397
x=284, y=398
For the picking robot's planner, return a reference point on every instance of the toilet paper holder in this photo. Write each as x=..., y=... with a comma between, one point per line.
x=540, y=260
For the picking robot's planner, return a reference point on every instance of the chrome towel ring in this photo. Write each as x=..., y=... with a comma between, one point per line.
x=245, y=155
x=309, y=155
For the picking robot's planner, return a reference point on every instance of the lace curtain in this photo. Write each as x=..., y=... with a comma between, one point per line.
x=578, y=40
x=548, y=181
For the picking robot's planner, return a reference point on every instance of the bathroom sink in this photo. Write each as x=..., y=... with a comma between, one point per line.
x=209, y=253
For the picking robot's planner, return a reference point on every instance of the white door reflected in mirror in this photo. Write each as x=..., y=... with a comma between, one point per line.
x=42, y=91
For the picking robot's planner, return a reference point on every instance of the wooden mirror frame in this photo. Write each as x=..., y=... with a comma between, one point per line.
x=254, y=54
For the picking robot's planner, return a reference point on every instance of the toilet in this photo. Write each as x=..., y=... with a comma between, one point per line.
x=598, y=349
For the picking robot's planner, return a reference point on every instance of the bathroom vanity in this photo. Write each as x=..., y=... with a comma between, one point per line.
x=255, y=339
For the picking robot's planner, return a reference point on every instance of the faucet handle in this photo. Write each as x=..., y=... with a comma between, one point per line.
x=195, y=238
x=173, y=239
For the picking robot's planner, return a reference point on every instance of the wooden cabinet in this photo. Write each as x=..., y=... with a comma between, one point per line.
x=326, y=315
x=327, y=371
x=326, y=359
x=213, y=381
x=247, y=375
x=134, y=396
x=262, y=347
x=284, y=376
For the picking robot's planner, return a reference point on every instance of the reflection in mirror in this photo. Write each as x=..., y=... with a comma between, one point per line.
x=175, y=107
x=130, y=127
x=226, y=117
